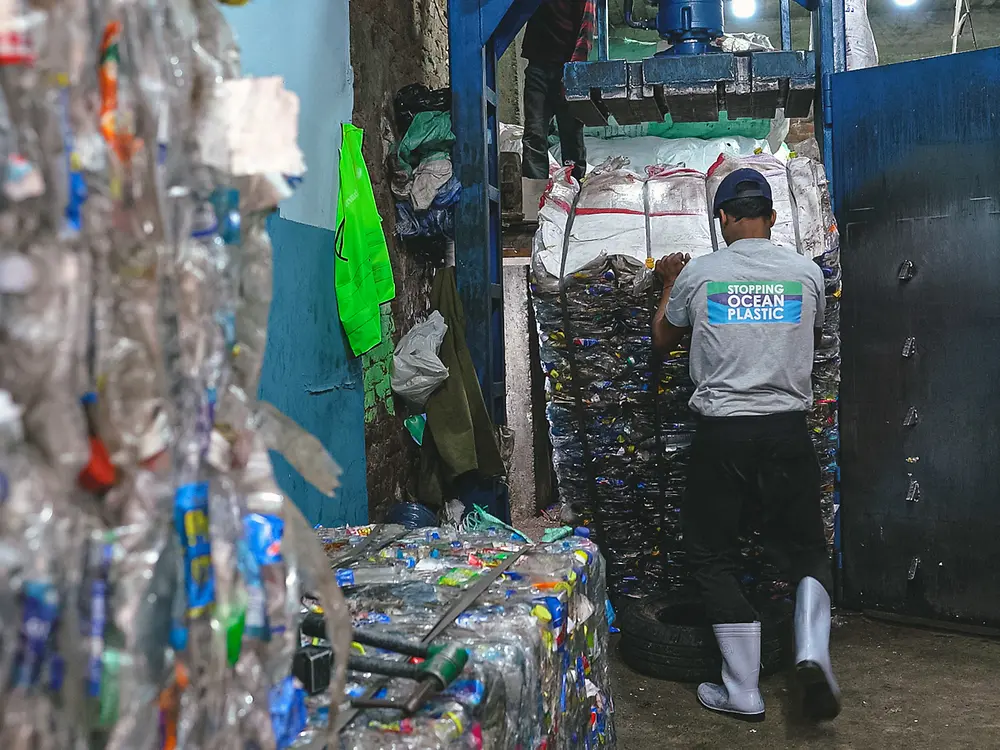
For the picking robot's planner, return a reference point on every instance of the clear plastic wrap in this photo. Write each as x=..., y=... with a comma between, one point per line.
x=783, y=232
x=154, y=570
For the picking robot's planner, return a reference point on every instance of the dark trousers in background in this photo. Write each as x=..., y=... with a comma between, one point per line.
x=543, y=100
x=765, y=466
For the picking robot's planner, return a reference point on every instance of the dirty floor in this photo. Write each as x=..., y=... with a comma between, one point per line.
x=902, y=688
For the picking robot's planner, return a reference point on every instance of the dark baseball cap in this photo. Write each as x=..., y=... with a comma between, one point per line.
x=743, y=183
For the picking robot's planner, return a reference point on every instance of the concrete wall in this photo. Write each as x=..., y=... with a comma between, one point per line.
x=517, y=340
x=510, y=83
x=308, y=373
x=393, y=43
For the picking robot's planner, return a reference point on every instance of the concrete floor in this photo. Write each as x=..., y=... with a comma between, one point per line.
x=903, y=688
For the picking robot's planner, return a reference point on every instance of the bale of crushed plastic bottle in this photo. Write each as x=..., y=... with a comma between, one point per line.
x=538, y=637
x=618, y=417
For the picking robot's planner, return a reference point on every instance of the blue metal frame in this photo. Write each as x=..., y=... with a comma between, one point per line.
x=786, y=24
x=479, y=32
x=831, y=53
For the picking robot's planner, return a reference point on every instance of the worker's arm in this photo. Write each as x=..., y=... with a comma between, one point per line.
x=666, y=335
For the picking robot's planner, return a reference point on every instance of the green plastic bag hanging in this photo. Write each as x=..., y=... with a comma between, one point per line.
x=362, y=272
x=428, y=137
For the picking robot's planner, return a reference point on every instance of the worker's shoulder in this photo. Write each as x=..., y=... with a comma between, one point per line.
x=746, y=263
x=709, y=261
x=784, y=258
x=793, y=260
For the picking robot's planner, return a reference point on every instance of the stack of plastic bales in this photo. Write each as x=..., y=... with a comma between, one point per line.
x=820, y=239
x=538, y=639
x=619, y=421
x=151, y=570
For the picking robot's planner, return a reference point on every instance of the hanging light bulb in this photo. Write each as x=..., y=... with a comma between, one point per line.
x=747, y=8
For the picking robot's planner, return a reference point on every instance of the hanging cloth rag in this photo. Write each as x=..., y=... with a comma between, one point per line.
x=459, y=425
x=428, y=178
x=361, y=268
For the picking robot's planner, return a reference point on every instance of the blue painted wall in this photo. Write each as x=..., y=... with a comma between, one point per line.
x=308, y=373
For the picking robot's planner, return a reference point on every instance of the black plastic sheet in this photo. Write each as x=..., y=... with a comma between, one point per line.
x=415, y=98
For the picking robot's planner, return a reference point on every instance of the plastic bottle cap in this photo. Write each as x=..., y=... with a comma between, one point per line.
x=9, y=411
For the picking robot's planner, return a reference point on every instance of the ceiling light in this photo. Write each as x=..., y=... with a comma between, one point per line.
x=746, y=8
x=905, y=3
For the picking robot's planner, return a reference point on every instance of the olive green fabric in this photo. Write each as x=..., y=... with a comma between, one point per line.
x=362, y=272
x=460, y=436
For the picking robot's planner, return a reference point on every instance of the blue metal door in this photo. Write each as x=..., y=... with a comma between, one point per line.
x=916, y=178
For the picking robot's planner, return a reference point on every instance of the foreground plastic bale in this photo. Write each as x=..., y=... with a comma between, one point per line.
x=537, y=637
x=618, y=417
x=152, y=570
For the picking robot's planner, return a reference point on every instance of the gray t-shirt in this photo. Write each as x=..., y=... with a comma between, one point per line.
x=752, y=308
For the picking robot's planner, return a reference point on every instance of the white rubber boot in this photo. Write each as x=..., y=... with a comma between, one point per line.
x=738, y=695
x=821, y=695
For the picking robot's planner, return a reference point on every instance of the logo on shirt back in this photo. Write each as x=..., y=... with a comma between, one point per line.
x=754, y=302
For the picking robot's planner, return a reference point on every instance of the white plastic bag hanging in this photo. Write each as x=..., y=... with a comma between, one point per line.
x=417, y=371
x=862, y=52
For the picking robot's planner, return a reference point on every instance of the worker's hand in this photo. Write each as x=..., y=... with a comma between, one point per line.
x=669, y=267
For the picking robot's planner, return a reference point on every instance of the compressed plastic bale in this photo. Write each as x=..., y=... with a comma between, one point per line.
x=783, y=231
x=538, y=639
x=643, y=151
x=610, y=219
x=804, y=178
x=553, y=216
x=823, y=417
x=678, y=213
x=619, y=421
x=616, y=481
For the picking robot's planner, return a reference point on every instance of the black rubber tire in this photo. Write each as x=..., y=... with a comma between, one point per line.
x=669, y=638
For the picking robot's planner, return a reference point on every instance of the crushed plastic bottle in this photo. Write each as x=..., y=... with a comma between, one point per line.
x=152, y=570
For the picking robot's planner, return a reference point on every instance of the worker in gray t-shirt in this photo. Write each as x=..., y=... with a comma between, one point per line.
x=754, y=312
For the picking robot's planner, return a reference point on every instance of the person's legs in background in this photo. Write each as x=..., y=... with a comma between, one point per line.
x=544, y=98
x=537, y=116
x=571, y=142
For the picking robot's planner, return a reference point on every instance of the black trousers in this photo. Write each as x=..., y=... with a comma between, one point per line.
x=543, y=100
x=764, y=466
